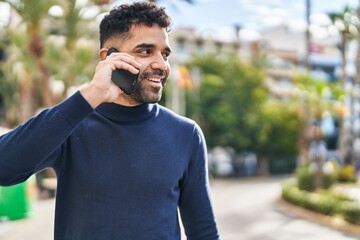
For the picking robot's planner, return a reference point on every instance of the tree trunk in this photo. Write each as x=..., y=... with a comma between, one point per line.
x=319, y=177
x=36, y=48
x=46, y=92
x=343, y=58
x=307, y=36
x=26, y=99
x=357, y=77
x=263, y=165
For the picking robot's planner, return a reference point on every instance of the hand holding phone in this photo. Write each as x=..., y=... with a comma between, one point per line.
x=124, y=79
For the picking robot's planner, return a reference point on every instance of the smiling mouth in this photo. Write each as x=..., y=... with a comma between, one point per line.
x=157, y=76
x=153, y=79
x=156, y=81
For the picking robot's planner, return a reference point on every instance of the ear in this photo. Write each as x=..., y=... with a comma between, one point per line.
x=103, y=53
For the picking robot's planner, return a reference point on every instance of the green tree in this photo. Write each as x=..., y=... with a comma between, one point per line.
x=278, y=137
x=344, y=21
x=232, y=106
x=71, y=61
x=43, y=49
x=17, y=80
x=231, y=94
x=316, y=97
x=31, y=14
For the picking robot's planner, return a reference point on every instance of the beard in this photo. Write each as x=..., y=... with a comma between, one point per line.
x=144, y=92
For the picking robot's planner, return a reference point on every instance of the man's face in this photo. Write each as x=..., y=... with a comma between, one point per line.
x=150, y=47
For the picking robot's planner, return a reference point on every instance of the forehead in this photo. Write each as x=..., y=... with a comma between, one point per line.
x=154, y=35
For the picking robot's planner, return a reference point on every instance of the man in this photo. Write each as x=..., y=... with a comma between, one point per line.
x=124, y=164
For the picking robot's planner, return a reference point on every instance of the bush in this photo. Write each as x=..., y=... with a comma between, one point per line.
x=327, y=205
x=294, y=195
x=347, y=174
x=306, y=178
x=351, y=212
x=329, y=180
x=323, y=201
x=310, y=200
x=336, y=195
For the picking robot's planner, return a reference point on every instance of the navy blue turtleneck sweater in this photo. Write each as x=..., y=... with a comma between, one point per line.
x=122, y=171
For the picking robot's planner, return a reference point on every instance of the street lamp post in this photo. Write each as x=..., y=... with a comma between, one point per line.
x=308, y=37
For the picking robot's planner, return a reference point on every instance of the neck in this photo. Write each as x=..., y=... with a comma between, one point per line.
x=127, y=114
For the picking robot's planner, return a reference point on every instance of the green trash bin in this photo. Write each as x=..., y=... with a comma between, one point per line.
x=14, y=202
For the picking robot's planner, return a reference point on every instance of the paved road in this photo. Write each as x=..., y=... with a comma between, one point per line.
x=37, y=227
x=250, y=210
x=246, y=209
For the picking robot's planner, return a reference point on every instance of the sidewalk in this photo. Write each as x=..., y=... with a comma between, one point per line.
x=249, y=209
x=38, y=226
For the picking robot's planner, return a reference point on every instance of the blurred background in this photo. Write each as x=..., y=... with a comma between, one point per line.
x=274, y=86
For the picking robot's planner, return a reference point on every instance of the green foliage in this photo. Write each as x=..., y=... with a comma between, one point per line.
x=18, y=69
x=31, y=11
x=306, y=178
x=291, y=193
x=282, y=164
x=321, y=203
x=311, y=85
x=351, y=211
x=325, y=202
x=347, y=174
x=234, y=109
x=79, y=63
x=230, y=94
x=43, y=48
x=279, y=132
x=329, y=180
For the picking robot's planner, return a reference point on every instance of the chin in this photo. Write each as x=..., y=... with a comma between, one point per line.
x=152, y=99
x=147, y=96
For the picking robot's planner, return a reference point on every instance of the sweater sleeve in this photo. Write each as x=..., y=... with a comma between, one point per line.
x=26, y=149
x=194, y=203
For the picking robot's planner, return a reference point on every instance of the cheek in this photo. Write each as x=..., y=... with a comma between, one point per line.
x=144, y=65
x=168, y=71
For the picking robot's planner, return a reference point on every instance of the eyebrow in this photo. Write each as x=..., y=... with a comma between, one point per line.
x=150, y=45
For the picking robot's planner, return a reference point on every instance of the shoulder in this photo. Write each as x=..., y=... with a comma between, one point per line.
x=175, y=118
x=182, y=123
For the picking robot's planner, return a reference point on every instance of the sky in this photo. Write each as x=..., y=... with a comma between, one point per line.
x=220, y=16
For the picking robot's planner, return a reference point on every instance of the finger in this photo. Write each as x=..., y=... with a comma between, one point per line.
x=125, y=58
x=126, y=66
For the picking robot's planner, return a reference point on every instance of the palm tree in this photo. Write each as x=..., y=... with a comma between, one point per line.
x=307, y=36
x=344, y=24
x=72, y=27
x=39, y=65
x=31, y=14
x=357, y=79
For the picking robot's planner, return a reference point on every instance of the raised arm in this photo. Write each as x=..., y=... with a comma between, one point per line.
x=26, y=149
x=35, y=144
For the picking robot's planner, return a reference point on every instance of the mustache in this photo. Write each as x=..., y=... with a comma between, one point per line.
x=158, y=72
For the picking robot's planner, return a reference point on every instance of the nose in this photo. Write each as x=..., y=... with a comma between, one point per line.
x=159, y=62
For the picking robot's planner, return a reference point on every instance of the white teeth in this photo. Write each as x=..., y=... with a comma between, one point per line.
x=154, y=79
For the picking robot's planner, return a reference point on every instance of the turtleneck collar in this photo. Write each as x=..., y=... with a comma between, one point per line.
x=127, y=115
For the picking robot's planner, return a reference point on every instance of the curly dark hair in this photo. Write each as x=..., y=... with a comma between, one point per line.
x=120, y=19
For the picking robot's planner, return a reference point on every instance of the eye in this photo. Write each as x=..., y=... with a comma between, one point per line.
x=146, y=52
x=166, y=55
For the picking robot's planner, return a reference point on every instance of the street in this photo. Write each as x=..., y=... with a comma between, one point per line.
x=246, y=209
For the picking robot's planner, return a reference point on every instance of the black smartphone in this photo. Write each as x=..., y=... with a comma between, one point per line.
x=124, y=79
